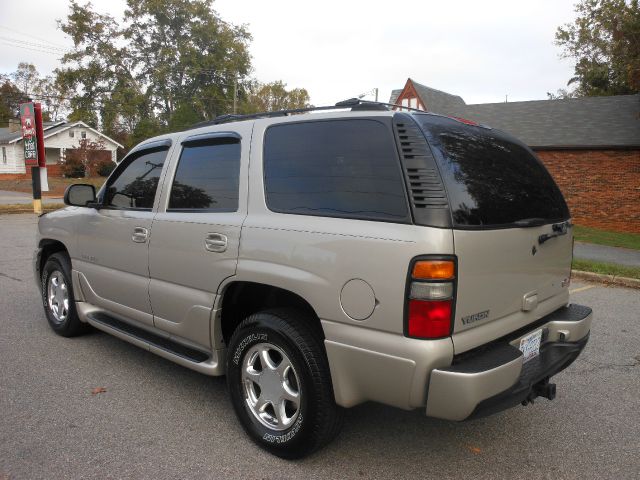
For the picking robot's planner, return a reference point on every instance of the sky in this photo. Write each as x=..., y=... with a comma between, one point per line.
x=484, y=51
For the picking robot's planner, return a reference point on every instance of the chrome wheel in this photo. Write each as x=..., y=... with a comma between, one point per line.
x=271, y=386
x=58, y=296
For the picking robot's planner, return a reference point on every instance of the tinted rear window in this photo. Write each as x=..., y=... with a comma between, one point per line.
x=207, y=177
x=491, y=178
x=336, y=168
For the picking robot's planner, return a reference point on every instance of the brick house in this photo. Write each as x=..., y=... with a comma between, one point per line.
x=590, y=145
x=59, y=137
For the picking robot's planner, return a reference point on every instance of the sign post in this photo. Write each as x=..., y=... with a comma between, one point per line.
x=42, y=157
x=34, y=153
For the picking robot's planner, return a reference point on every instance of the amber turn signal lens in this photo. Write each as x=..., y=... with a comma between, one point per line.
x=433, y=270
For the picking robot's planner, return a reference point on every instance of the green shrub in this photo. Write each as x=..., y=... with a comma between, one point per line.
x=73, y=168
x=105, y=168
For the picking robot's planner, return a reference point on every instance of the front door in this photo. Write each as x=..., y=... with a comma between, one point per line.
x=196, y=232
x=113, y=240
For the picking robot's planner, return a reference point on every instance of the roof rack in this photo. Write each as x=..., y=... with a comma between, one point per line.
x=355, y=104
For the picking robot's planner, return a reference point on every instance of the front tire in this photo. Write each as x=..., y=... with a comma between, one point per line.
x=57, y=296
x=280, y=384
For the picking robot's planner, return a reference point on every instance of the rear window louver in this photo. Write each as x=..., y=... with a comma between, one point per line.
x=428, y=198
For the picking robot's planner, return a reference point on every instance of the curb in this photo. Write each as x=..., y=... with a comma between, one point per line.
x=607, y=279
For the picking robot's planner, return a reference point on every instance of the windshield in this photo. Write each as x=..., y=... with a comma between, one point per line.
x=492, y=179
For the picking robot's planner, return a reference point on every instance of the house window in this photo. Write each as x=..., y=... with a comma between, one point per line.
x=412, y=103
x=71, y=133
x=83, y=134
x=4, y=155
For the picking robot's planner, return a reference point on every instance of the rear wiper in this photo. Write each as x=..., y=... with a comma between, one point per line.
x=558, y=229
x=530, y=222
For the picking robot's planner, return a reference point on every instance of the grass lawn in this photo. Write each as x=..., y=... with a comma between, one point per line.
x=604, y=237
x=57, y=185
x=28, y=208
x=606, y=268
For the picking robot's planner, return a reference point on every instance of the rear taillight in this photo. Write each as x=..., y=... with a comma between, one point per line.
x=431, y=298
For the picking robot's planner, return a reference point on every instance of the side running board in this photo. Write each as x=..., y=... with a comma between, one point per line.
x=163, y=343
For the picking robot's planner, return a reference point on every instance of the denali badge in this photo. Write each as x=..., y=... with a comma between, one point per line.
x=475, y=317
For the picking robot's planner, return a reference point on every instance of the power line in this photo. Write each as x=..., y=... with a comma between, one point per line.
x=30, y=48
x=31, y=36
x=32, y=44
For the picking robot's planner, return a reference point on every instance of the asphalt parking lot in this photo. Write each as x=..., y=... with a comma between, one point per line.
x=159, y=420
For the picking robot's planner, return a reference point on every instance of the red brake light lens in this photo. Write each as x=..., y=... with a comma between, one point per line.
x=429, y=319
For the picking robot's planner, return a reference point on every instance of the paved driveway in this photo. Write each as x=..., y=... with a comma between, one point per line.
x=158, y=420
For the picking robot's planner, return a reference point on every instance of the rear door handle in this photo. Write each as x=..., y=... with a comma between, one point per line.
x=215, y=242
x=140, y=235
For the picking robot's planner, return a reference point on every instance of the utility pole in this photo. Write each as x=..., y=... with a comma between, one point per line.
x=376, y=89
x=235, y=95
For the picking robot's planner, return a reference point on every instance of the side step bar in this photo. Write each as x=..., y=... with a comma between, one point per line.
x=188, y=353
x=209, y=364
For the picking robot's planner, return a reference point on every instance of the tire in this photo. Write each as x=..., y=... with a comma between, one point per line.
x=292, y=412
x=57, y=296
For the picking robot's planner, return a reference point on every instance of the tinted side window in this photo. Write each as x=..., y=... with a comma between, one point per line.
x=207, y=177
x=135, y=186
x=337, y=168
x=491, y=178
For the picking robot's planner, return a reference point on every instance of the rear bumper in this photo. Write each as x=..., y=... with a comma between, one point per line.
x=493, y=377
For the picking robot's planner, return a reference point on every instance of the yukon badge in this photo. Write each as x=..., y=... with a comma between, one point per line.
x=476, y=317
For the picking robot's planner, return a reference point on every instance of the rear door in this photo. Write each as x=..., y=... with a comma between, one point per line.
x=511, y=231
x=196, y=232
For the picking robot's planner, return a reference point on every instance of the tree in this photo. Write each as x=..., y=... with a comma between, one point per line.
x=561, y=94
x=166, y=61
x=86, y=157
x=10, y=99
x=53, y=97
x=605, y=42
x=25, y=77
x=47, y=91
x=263, y=97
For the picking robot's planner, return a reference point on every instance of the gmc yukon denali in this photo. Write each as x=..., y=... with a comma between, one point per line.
x=325, y=259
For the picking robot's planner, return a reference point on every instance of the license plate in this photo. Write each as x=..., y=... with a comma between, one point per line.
x=530, y=345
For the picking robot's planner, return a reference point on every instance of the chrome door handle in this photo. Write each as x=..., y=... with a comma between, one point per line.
x=215, y=242
x=140, y=235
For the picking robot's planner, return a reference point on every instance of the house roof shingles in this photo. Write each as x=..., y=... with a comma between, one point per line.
x=575, y=122
x=437, y=100
x=7, y=136
x=50, y=128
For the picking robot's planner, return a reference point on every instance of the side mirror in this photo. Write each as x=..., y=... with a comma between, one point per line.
x=80, y=195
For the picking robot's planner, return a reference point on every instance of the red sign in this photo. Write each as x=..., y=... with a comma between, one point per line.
x=28, y=121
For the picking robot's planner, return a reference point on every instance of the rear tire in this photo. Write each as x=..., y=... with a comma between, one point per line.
x=280, y=384
x=57, y=296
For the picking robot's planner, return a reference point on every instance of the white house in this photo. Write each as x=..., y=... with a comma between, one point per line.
x=58, y=137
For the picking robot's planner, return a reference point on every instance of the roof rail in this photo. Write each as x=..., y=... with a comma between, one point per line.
x=353, y=103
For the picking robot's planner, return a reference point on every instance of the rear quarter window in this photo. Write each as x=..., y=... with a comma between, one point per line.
x=492, y=179
x=336, y=168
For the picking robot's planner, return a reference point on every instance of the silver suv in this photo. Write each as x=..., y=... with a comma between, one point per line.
x=326, y=259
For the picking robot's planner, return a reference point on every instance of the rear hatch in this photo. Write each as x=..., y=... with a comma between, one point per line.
x=511, y=229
